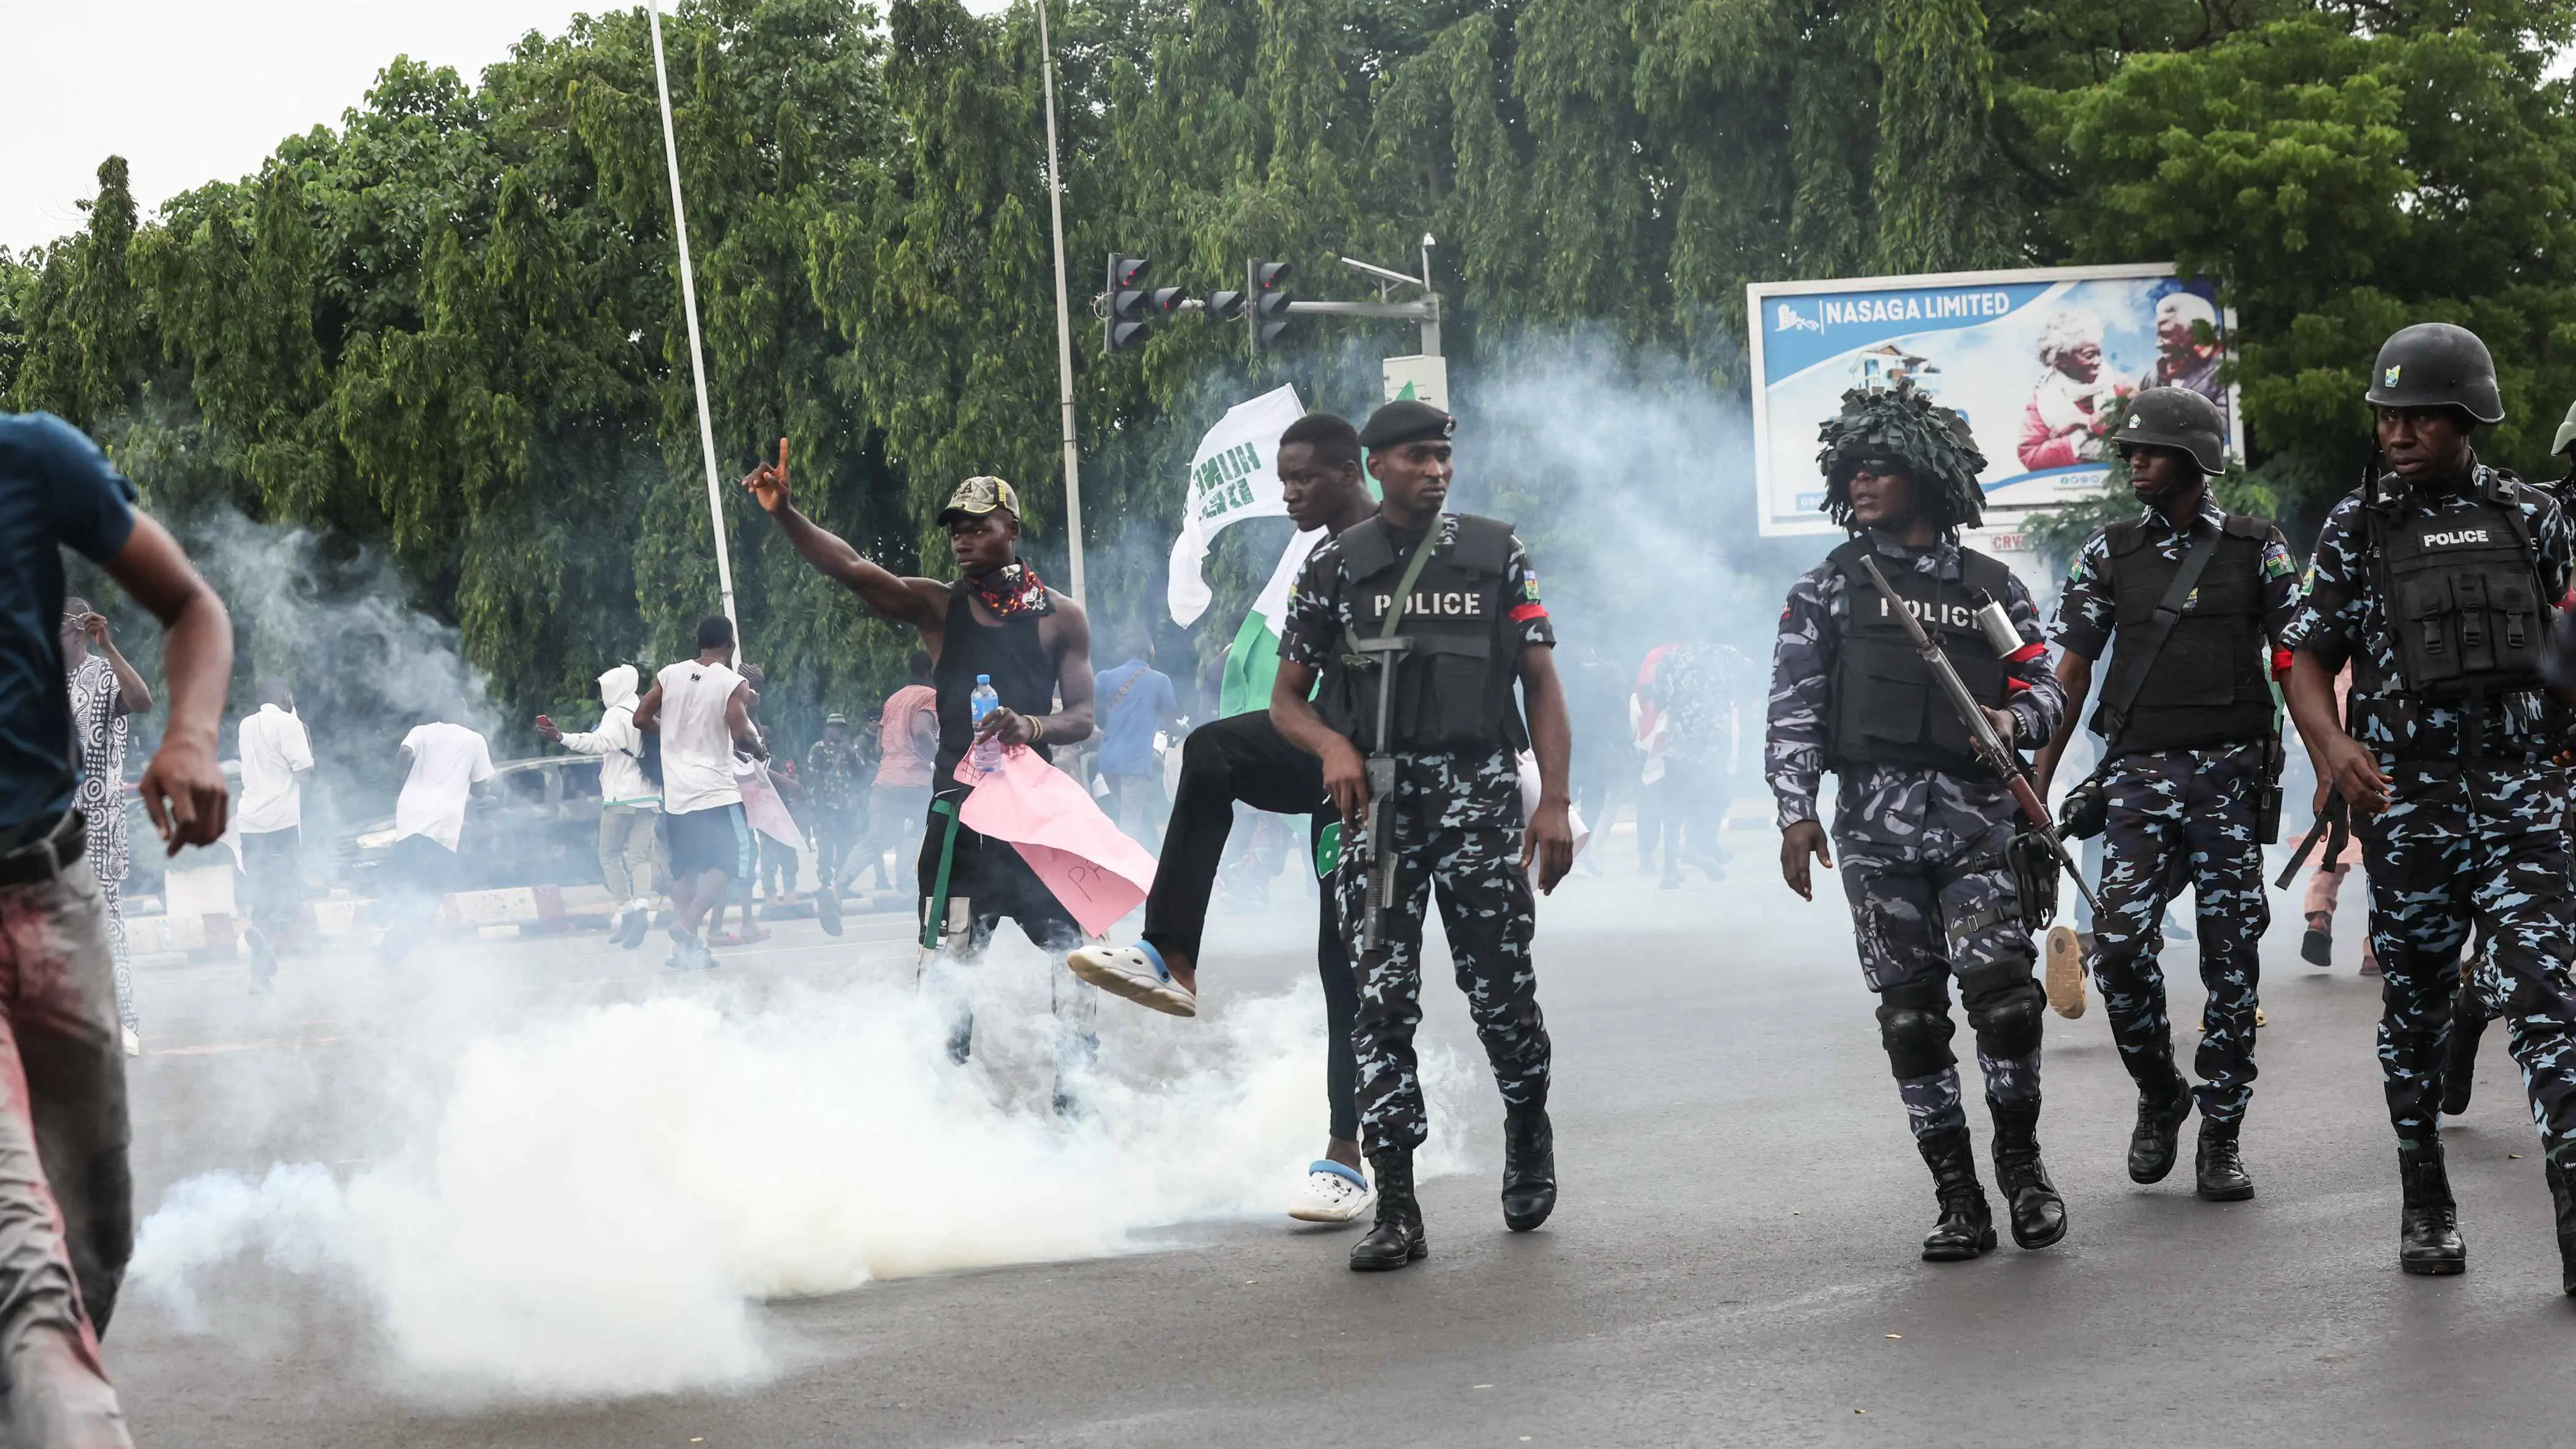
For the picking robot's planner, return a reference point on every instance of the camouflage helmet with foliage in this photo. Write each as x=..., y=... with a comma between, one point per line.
x=1902, y=424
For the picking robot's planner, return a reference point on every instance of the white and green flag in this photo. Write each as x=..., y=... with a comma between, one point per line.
x=1233, y=476
x=1252, y=661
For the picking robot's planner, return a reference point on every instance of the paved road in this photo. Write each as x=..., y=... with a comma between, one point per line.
x=1733, y=1262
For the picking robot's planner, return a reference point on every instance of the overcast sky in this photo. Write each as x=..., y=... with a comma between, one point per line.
x=190, y=92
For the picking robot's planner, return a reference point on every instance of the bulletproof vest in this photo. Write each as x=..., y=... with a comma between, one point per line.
x=2205, y=686
x=1887, y=709
x=2463, y=599
x=1453, y=690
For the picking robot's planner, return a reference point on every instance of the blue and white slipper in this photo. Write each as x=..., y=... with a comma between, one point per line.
x=1332, y=1194
x=1135, y=972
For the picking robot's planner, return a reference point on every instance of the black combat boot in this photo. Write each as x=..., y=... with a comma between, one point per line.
x=2037, y=1213
x=1396, y=1239
x=1967, y=1226
x=2562, y=1196
x=2157, y=1139
x=2428, y=1227
x=2460, y=1054
x=2219, y=1165
x=1529, y=1168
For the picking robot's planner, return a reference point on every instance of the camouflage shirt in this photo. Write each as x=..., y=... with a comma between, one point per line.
x=1319, y=615
x=1802, y=670
x=2341, y=612
x=2088, y=610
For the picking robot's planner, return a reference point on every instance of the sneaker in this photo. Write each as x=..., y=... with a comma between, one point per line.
x=689, y=953
x=827, y=909
x=2065, y=972
x=133, y=1043
x=632, y=926
x=1332, y=1194
x=1136, y=972
x=263, y=961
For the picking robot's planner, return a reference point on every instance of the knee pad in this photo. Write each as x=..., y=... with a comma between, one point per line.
x=1914, y=1025
x=2005, y=1007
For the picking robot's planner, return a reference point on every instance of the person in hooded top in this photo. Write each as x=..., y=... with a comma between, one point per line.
x=630, y=802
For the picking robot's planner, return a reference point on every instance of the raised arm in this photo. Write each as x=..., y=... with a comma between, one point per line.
x=133, y=696
x=183, y=788
x=906, y=601
x=738, y=720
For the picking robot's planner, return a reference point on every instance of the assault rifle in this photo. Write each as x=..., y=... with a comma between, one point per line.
x=2334, y=825
x=1376, y=854
x=1981, y=730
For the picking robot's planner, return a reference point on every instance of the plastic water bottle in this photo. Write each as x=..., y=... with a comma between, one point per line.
x=988, y=753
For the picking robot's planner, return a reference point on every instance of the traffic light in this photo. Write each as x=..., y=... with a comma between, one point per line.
x=1131, y=308
x=1265, y=284
x=1224, y=306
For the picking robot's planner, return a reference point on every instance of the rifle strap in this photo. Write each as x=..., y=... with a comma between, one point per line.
x=2152, y=635
x=934, y=922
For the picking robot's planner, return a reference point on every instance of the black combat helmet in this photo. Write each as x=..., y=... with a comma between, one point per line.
x=2175, y=417
x=2435, y=365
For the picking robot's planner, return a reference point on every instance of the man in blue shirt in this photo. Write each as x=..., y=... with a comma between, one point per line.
x=1135, y=700
x=66, y=1194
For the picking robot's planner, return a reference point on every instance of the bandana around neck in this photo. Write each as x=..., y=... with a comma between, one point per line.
x=1012, y=590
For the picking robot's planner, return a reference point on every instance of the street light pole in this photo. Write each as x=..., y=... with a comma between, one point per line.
x=697, y=349
x=1063, y=323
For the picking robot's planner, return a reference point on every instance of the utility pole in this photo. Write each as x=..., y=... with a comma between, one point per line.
x=1063, y=325
x=697, y=349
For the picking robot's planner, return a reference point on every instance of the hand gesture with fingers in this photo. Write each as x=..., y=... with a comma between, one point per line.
x=768, y=482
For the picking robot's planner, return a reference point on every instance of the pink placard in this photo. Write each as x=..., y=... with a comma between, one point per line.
x=1093, y=868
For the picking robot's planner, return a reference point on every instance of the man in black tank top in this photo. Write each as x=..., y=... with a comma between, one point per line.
x=2191, y=751
x=1000, y=620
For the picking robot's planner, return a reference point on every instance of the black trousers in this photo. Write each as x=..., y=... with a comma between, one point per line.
x=1244, y=757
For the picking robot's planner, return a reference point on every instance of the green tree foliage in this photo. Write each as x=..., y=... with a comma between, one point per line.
x=447, y=331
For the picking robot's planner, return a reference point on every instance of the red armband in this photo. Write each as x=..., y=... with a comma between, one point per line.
x=1523, y=613
x=2280, y=664
x=2026, y=653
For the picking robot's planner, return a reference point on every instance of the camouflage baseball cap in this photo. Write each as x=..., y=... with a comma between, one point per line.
x=978, y=496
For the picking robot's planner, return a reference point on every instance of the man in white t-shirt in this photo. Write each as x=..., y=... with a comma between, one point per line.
x=276, y=757
x=630, y=806
x=447, y=761
x=702, y=710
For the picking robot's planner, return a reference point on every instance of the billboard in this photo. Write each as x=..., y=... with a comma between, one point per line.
x=2035, y=360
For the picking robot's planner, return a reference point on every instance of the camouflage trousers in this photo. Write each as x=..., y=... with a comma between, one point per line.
x=1455, y=839
x=1931, y=899
x=2184, y=817
x=2461, y=844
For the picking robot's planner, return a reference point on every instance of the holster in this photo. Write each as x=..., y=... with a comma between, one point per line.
x=2267, y=796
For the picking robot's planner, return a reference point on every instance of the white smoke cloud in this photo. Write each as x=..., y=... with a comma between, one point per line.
x=602, y=1197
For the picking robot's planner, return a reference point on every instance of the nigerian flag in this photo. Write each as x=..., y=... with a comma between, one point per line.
x=1253, y=659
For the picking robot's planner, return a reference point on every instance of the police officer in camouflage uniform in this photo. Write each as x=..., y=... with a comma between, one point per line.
x=2446, y=756
x=2468, y=1009
x=2190, y=750
x=1923, y=826
x=1476, y=626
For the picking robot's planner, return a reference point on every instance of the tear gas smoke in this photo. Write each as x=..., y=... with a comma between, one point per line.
x=601, y=1197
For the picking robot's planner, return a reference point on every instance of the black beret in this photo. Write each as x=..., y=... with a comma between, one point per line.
x=1405, y=421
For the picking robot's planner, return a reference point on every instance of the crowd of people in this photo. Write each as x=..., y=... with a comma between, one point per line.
x=1421, y=724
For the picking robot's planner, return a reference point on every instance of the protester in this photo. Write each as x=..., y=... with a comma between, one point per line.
x=997, y=621
x=907, y=741
x=702, y=710
x=1136, y=701
x=104, y=690
x=444, y=762
x=630, y=803
x=837, y=817
x=276, y=760
x=66, y=1199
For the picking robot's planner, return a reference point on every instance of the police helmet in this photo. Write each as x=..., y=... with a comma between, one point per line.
x=2175, y=417
x=2434, y=365
x=2566, y=432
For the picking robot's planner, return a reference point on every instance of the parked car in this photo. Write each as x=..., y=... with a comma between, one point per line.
x=535, y=822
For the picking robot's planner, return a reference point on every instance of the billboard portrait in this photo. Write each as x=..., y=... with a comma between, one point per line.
x=2037, y=361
